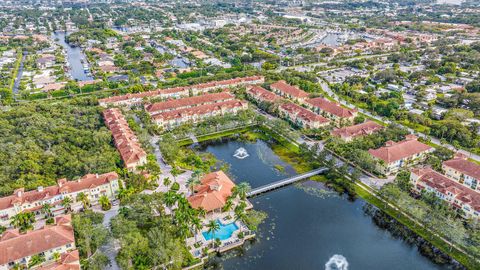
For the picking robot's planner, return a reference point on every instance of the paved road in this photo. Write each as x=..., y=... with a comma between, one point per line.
x=111, y=248
x=434, y=140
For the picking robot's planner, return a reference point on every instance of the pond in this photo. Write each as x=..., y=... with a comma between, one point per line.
x=308, y=226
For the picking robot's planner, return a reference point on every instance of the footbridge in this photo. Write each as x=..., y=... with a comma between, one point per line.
x=285, y=182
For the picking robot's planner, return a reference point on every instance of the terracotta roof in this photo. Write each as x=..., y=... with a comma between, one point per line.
x=262, y=94
x=125, y=140
x=18, y=246
x=188, y=102
x=68, y=261
x=331, y=107
x=302, y=113
x=464, y=166
x=200, y=110
x=213, y=191
x=397, y=151
x=288, y=89
x=209, y=85
x=362, y=129
x=444, y=185
x=88, y=181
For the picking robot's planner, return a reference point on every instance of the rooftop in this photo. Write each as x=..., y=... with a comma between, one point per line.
x=394, y=151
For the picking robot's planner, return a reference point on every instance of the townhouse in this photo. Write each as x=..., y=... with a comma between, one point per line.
x=174, y=118
x=339, y=115
x=92, y=185
x=178, y=92
x=462, y=198
x=352, y=132
x=212, y=192
x=301, y=116
x=17, y=249
x=125, y=140
x=288, y=91
x=260, y=94
x=396, y=155
x=188, y=102
x=463, y=171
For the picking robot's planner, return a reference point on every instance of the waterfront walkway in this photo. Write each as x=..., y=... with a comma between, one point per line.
x=285, y=182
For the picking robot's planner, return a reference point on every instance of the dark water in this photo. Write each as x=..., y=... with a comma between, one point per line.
x=74, y=56
x=308, y=225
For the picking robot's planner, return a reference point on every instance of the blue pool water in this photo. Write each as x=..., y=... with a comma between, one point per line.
x=223, y=233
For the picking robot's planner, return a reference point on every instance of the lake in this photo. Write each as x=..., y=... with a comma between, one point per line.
x=308, y=226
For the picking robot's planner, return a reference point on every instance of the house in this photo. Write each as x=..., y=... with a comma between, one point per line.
x=301, y=116
x=174, y=118
x=396, y=155
x=17, y=249
x=92, y=185
x=212, y=193
x=352, y=132
x=126, y=142
x=260, y=94
x=464, y=199
x=463, y=171
x=288, y=91
x=188, y=102
x=332, y=110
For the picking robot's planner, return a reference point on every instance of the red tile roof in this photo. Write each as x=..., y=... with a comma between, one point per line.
x=213, y=191
x=362, y=129
x=202, y=86
x=68, y=261
x=15, y=246
x=397, y=151
x=331, y=107
x=287, y=89
x=188, y=102
x=262, y=94
x=444, y=185
x=200, y=110
x=125, y=140
x=302, y=113
x=464, y=166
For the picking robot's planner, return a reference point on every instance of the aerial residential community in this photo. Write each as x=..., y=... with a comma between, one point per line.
x=215, y=134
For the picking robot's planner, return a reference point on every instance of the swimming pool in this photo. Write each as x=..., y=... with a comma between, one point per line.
x=223, y=233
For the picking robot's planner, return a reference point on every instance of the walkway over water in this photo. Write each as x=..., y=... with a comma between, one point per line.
x=285, y=182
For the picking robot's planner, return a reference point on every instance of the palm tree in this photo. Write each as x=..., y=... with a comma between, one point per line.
x=82, y=197
x=213, y=226
x=67, y=203
x=175, y=172
x=170, y=198
x=197, y=226
x=23, y=220
x=228, y=205
x=105, y=203
x=192, y=182
x=242, y=189
x=47, y=210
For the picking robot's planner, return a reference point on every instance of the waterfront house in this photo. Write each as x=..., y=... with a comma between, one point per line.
x=125, y=140
x=17, y=249
x=338, y=114
x=92, y=185
x=396, y=155
x=352, y=132
x=288, y=91
x=212, y=193
x=462, y=198
x=463, y=171
x=301, y=116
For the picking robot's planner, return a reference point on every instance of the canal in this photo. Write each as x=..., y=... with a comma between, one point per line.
x=75, y=56
x=308, y=226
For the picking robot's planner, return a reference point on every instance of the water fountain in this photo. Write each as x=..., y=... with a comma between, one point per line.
x=241, y=153
x=337, y=262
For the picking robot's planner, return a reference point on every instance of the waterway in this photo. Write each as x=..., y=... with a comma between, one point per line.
x=74, y=58
x=308, y=226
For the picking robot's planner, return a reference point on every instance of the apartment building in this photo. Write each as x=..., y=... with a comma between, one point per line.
x=286, y=90
x=339, y=115
x=356, y=131
x=463, y=171
x=301, y=116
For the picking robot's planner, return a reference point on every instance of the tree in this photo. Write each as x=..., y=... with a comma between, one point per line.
x=197, y=226
x=175, y=172
x=403, y=181
x=67, y=203
x=47, y=210
x=82, y=197
x=242, y=189
x=213, y=226
x=192, y=182
x=105, y=203
x=23, y=221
